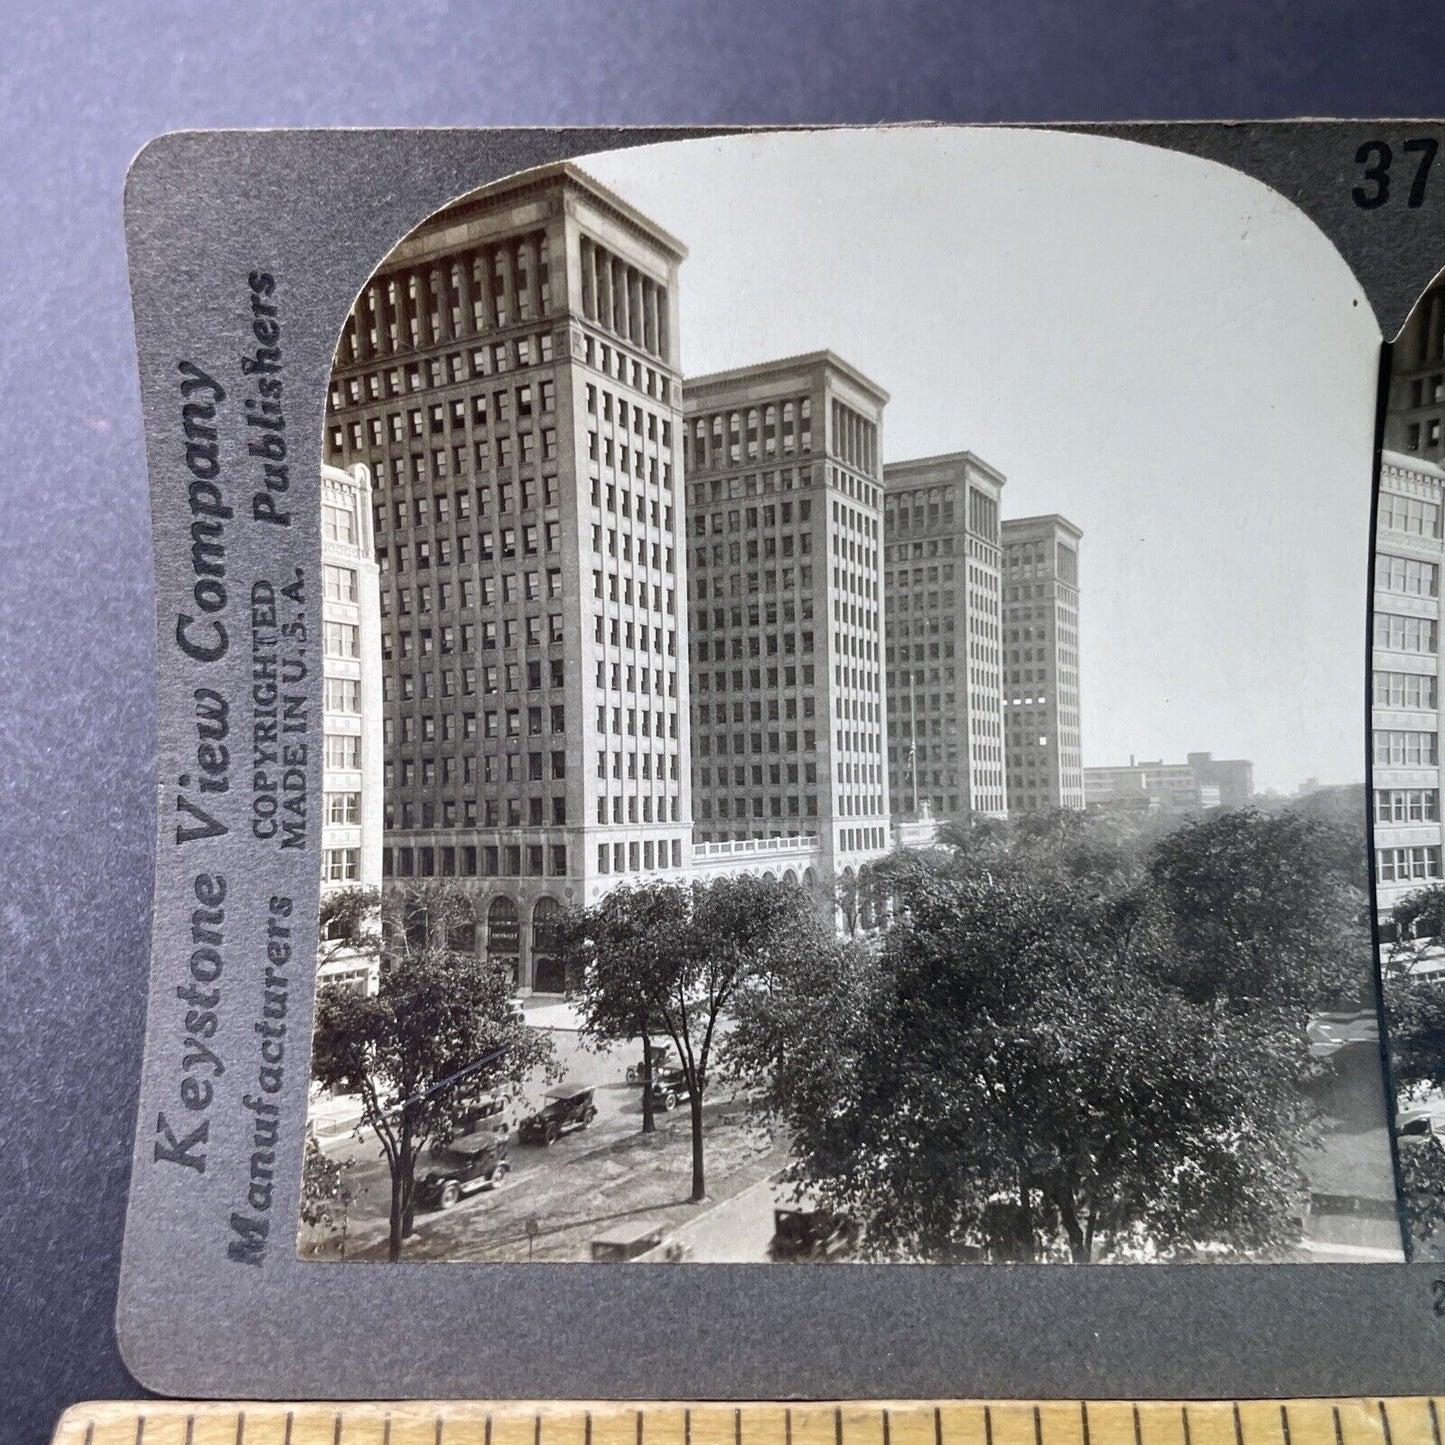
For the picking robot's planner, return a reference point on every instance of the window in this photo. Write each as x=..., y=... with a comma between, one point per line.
x=1409, y=514
x=1406, y=865
x=340, y=583
x=343, y=809
x=1405, y=690
x=338, y=524
x=343, y=865
x=343, y=639
x=1406, y=749
x=1406, y=575
x=343, y=694
x=1404, y=634
x=1407, y=805
x=343, y=751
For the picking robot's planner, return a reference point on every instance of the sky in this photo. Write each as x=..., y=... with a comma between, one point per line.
x=1164, y=351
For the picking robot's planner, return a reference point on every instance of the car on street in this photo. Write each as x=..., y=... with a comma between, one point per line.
x=661, y=1059
x=461, y=1166
x=566, y=1109
x=812, y=1234
x=626, y=1242
x=670, y=1088
x=1417, y=1131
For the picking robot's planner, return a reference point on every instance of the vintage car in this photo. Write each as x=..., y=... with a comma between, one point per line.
x=625, y=1243
x=816, y=1234
x=669, y=1089
x=464, y=1164
x=661, y=1059
x=486, y=1113
x=566, y=1108
x=1417, y=1131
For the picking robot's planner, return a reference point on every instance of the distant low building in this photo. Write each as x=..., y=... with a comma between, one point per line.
x=1200, y=782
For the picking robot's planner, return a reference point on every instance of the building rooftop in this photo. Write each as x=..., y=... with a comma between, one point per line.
x=1409, y=462
x=1017, y=524
x=900, y=473
x=761, y=370
x=487, y=197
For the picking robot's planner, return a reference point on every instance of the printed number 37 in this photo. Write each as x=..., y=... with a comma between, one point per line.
x=1376, y=156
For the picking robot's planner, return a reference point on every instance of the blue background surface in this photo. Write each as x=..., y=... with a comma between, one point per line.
x=83, y=88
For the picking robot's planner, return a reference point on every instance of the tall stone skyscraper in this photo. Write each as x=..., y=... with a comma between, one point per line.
x=784, y=508
x=510, y=375
x=1405, y=676
x=1041, y=664
x=944, y=645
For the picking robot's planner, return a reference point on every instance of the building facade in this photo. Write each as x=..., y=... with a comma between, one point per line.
x=944, y=646
x=1202, y=781
x=784, y=519
x=1405, y=661
x=510, y=375
x=1042, y=746
x=351, y=828
x=1415, y=409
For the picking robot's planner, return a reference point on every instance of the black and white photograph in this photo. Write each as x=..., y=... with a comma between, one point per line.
x=843, y=731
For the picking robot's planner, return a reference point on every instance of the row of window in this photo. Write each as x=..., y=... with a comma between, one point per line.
x=1397, y=749
x=1407, y=865
x=1405, y=689
x=1407, y=805
x=535, y=860
x=778, y=429
x=1406, y=634
x=435, y=372
x=1409, y=514
x=1406, y=575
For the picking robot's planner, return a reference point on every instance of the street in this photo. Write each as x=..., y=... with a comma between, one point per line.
x=559, y=1198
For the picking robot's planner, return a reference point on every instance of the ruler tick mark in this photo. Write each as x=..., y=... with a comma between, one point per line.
x=838, y=1426
x=1434, y=1419
x=1385, y=1421
x=290, y=1422
x=1084, y=1419
x=1184, y=1421
x=1138, y=1431
x=887, y=1428
x=1339, y=1428
x=1238, y=1426
x=240, y=1427
x=988, y=1424
x=938, y=1425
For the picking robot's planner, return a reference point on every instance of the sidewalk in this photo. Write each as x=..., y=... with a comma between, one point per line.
x=551, y=1013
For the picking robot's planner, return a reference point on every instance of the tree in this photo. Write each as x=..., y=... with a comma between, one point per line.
x=325, y=1192
x=1415, y=1002
x=441, y=1026
x=1014, y=1075
x=613, y=954
x=681, y=953
x=1269, y=911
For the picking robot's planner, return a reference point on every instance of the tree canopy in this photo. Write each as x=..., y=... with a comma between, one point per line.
x=1077, y=1038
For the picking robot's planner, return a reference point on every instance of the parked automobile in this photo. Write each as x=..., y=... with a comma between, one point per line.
x=661, y=1056
x=1417, y=1131
x=626, y=1242
x=817, y=1234
x=486, y=1114
x=669, y=1088
x=566, y=1109
x=461, y=1166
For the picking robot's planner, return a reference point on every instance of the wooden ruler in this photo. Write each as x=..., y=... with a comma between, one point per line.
x=1396, y=1421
